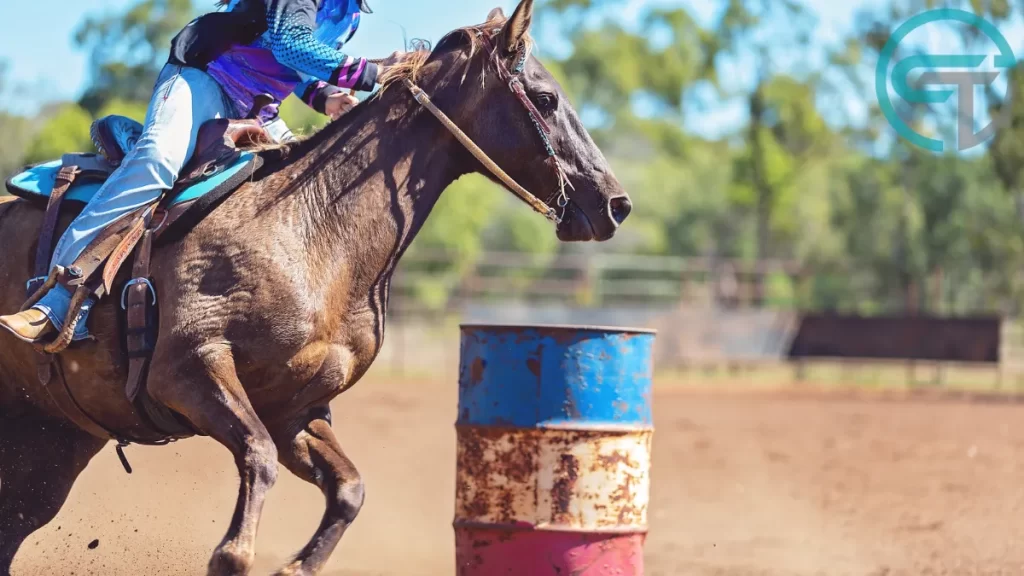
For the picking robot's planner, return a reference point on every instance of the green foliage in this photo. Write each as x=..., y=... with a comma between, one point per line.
x=302, y=119
x=67, y=130
x=519, y=229
x=1007, y=149
x=17, y=132
x=874, y=226
x=119, y=106
x=128, y=49
x=455, y=230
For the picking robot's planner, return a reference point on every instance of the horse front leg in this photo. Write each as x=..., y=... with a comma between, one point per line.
x=208, y=392
x=40, y=459
x=308, y=448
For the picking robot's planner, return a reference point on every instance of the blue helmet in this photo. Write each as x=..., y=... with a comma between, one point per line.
x=337, y=21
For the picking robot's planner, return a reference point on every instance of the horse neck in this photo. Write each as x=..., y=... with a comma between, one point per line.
x=371, y=184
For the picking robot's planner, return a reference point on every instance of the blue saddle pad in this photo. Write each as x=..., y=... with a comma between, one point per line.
x=36, y=182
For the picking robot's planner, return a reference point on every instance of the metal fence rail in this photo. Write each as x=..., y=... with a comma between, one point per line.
x=703, y=308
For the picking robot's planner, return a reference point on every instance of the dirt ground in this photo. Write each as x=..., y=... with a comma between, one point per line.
x=743, y=484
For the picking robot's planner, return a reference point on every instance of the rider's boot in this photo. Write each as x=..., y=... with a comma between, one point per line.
x=29, y=326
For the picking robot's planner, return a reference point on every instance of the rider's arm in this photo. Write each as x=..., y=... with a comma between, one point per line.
x=290, y=25
x=315, y=92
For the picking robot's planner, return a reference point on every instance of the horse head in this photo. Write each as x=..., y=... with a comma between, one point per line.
x=487, y=81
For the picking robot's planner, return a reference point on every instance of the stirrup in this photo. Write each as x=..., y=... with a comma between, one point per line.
x=33, y=284
x=37, y=290
x=66, y=335
x=133, y=282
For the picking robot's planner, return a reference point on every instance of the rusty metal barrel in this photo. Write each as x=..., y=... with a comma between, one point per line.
x=554, y=449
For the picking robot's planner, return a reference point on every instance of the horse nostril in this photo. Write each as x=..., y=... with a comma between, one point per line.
x=620, y=207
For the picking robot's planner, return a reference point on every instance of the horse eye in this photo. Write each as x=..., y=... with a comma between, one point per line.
x=546, y=102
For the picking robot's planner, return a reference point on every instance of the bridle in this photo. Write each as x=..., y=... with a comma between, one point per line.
x=514, y=80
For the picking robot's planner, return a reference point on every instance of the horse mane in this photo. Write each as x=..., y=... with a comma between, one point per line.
x=410, y=67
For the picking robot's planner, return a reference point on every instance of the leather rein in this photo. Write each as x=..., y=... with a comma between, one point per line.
x=514, y=80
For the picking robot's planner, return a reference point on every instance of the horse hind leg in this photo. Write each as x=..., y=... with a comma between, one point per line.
x=310, y=450
x=39, y=462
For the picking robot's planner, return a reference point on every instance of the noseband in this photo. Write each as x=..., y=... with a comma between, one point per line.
x=515, y=84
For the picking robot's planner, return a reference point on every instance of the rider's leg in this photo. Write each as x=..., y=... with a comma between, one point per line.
x=183, y=99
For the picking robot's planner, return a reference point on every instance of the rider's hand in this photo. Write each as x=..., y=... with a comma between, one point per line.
x=339, y=103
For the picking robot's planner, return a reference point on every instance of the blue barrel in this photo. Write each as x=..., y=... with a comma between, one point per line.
x=554, y=448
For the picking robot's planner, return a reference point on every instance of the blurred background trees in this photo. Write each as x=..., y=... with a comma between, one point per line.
x=805, y=171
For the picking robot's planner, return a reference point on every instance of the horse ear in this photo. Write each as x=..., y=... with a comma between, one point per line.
x=495, y=14
x=517, y=26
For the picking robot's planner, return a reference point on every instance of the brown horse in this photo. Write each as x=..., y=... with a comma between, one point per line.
x=274, y=303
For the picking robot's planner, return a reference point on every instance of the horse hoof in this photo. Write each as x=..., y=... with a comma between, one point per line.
x=228, y=560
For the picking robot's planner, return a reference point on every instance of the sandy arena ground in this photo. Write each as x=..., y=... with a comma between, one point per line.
x=743, y=484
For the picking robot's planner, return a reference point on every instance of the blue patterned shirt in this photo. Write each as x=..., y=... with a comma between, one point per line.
x=298, y=53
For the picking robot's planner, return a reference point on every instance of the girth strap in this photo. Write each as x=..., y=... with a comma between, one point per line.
x=138, y=299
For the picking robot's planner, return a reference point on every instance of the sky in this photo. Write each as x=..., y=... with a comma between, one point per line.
x=36, y=41
x=36, y=37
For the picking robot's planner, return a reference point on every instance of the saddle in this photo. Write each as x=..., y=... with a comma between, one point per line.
x=219, y=165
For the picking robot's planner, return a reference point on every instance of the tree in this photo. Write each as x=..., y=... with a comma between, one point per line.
x=127, y=50
x=16, y=130
x=454, y=229
x=66, y=130
x=300, y=118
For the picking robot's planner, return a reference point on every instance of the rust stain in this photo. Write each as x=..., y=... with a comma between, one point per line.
x=473, y=499
x=607, y=461
x=520, y=464
x=533, y=365
x=498, y=478
x=476, y=371
x=624, y=495
x=561, y=493
x=489, y=460
x=506, y=507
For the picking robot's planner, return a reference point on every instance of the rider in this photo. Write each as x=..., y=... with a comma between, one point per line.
x=218, y=64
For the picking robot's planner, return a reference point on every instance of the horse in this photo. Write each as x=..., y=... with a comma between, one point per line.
x=274, y=303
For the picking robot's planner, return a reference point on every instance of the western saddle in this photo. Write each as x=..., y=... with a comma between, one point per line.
x=220, y=143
